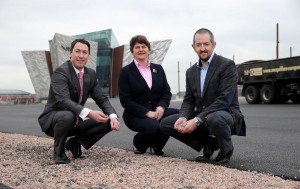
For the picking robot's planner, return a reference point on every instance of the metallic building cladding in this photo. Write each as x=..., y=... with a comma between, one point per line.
x=106, y=57
x=37, y=67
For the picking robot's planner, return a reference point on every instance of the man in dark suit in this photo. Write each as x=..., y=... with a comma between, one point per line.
x=65, y=115
x=210, y=111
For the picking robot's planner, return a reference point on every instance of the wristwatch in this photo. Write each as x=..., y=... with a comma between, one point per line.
x=197, y=121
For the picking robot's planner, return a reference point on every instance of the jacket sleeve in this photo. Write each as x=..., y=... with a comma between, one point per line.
x=95, y=92
x=166, y=94
x=189, y=101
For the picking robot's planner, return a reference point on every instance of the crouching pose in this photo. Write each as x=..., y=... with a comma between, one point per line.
x=65, y=115
x=210, y=111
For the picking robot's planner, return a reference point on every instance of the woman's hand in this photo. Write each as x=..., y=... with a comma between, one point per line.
x=159, y=112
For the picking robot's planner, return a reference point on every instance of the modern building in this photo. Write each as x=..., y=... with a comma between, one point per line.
x=107, y=57
x=14, y=96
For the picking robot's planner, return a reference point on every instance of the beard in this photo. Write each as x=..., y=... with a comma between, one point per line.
x=204, y=56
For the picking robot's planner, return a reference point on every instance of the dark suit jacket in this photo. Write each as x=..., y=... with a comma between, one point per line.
x=219, y=92
x=135, y=95
x=65, y=90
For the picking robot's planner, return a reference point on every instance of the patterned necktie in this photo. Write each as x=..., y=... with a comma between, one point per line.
x=80, y=77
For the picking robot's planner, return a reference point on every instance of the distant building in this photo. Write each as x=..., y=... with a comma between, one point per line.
x=106, y=57
x=13, y=96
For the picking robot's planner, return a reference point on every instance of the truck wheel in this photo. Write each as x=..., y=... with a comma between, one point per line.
x=295, y=98
x=267, y=94
x=252, y=95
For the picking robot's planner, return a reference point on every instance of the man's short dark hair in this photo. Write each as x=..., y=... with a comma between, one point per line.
x=203, y=31
x=139, y=39
x=83, y=41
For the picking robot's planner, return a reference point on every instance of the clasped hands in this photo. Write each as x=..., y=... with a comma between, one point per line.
x=157, y=114
x=184, y=126
x=100, y=117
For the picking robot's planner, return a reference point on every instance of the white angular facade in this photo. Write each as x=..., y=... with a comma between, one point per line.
x=41, y=64
x=158, y=52
x=37, y=68
x=60, y=49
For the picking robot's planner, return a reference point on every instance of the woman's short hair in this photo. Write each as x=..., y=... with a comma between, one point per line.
x=139, y=39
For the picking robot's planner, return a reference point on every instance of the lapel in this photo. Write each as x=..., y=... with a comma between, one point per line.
x=75, y=82
x=86, y=83
x=155, y=78
x=137, y=75
x=196, y=79
x=210, y=72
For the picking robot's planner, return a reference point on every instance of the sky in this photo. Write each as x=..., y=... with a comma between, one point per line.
x=244, y=30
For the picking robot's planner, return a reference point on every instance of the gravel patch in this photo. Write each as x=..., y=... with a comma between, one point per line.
x=26, y=162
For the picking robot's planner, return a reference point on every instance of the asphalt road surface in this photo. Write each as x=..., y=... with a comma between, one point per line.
x=272, y=144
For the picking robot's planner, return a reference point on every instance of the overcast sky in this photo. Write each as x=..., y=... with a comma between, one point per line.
x=245, y=30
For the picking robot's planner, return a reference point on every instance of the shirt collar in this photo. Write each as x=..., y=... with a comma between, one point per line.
x=138, y=64
x=77, y=71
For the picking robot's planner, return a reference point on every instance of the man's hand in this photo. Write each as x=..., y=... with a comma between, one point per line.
x=183, y=126
x=180, y=124
x=190, y=126
x=98, y=116
x=115, y=124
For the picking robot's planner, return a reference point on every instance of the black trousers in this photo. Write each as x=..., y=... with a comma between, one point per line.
x=87, y=132
x=148, y=131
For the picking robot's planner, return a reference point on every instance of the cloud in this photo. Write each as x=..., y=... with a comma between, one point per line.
x=245, y=30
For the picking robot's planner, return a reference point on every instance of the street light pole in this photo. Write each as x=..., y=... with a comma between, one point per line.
x=178, y=81
x=277, y=42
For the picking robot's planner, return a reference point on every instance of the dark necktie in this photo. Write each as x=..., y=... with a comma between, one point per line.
x=80, y=77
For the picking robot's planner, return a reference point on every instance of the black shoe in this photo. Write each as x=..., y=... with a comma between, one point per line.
x=136, y=151
x=61, y=159
x=202, y=159
x=155, y=151
x=210, y=147
x=207, y=151
x=74, y=146
x=223, y=159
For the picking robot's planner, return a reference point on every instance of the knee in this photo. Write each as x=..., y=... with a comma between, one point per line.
x=163, y=124
x=66, y=117
x=219, y=121
x=167, y=123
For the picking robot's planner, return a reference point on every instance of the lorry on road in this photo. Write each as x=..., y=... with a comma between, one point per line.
x=271, y=81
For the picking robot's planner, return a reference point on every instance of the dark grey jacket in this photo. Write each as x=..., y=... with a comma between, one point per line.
x=219, y=92
x=65, y=90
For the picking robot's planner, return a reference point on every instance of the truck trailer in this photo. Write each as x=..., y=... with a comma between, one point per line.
x=271, y=81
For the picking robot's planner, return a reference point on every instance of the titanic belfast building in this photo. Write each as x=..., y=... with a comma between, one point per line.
x=107, y=57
